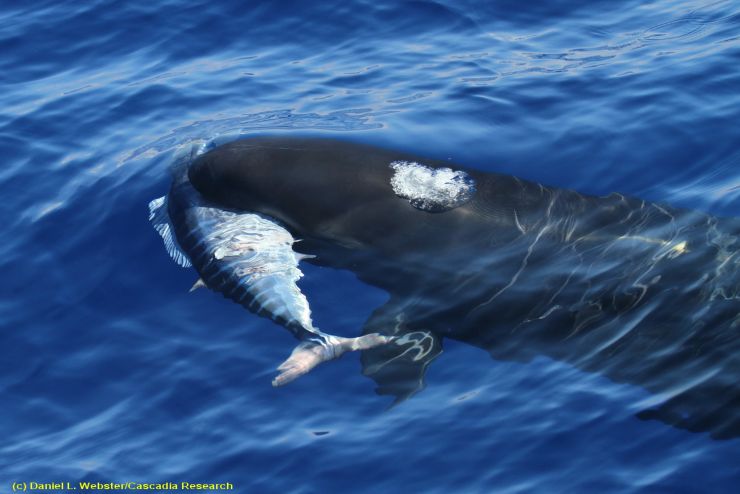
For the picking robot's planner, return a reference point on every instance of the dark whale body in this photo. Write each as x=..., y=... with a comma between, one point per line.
x=640, y=292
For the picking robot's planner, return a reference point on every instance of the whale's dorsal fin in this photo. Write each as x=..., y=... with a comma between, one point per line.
x=160, y=219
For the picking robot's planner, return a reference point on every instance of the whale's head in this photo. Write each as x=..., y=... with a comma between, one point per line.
x=335, y=190
x=304, y=183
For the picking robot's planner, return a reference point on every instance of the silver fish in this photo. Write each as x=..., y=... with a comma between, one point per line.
x=248, y=258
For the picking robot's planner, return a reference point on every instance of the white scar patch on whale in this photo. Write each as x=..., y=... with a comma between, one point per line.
x=430, y=189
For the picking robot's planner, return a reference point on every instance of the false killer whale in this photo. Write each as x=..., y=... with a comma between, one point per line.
x=643, y=293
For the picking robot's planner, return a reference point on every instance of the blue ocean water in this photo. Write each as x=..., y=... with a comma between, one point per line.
x=111, y=371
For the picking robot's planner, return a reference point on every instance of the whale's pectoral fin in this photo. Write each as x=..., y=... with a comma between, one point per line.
x=309, y=354
x=398, y=368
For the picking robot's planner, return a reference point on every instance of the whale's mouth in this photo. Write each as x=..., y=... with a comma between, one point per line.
x=429, y=189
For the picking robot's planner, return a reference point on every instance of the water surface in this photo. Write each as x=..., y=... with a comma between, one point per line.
x=112, y=371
